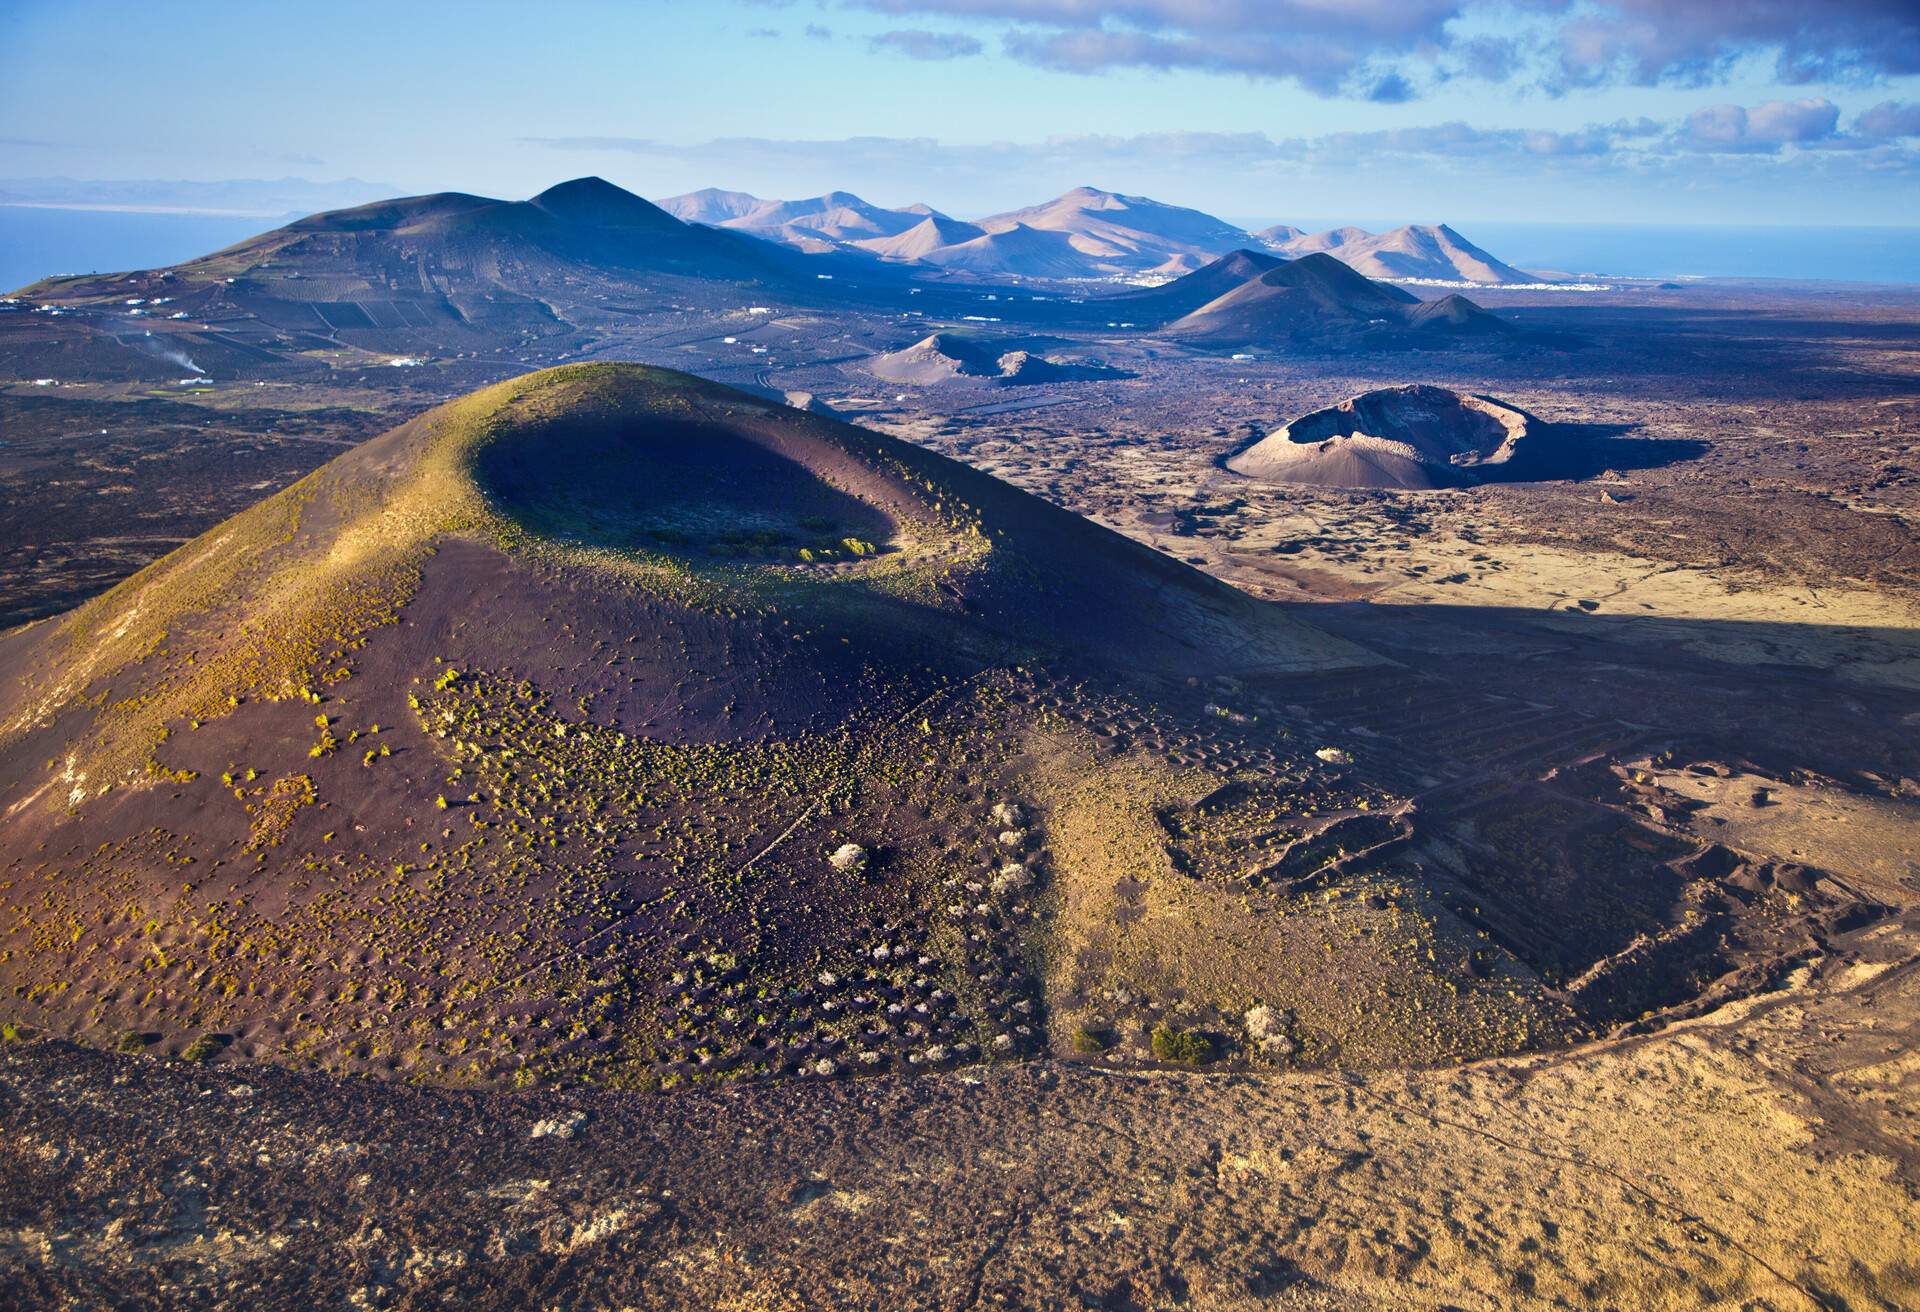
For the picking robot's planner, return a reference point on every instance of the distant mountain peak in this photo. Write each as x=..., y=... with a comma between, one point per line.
x=1315, y=297
x=575, y=190
x=1250, y=260
x=1094, y=198
x=1085, y=232
x=721, y=193
x=1432, y=251
x=597, y=201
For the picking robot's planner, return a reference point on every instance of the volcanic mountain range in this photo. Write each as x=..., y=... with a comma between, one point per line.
x=1248, y=299
x=443, y=275
x=1085, y=233
x=1419, y=252
x=544, y=279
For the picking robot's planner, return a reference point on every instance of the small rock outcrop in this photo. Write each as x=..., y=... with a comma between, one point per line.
x=949, y=356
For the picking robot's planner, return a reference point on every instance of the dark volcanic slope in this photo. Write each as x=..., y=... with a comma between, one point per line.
x=438, y=275
x=1186, y=294
x=587, y=221
x=1319, y=298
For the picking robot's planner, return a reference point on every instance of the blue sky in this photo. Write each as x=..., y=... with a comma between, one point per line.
x=1712, y=111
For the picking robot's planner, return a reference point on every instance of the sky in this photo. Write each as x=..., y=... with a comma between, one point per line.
x=1652, y=111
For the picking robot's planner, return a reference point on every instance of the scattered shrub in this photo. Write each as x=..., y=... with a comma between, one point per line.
x=1189, y=1047
x=205, y=1048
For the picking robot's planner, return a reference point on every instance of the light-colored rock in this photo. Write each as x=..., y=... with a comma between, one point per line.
x=564, y=1126
x=1012, y=876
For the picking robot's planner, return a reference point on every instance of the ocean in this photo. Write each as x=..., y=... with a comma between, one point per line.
x=36, y=243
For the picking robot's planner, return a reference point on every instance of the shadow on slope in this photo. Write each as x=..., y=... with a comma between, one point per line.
x=715, y=488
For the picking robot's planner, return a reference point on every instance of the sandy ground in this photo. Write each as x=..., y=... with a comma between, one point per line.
x=1762, y=1158
x=1863, y=634
x=1872, y=841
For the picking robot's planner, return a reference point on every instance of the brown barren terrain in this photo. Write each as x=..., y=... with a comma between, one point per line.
x=610, y=840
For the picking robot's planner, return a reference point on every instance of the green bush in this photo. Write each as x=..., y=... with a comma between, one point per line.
x=205, y=1048
x=1189, y=1047
x=132, y=1041
x=1091, y=1041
